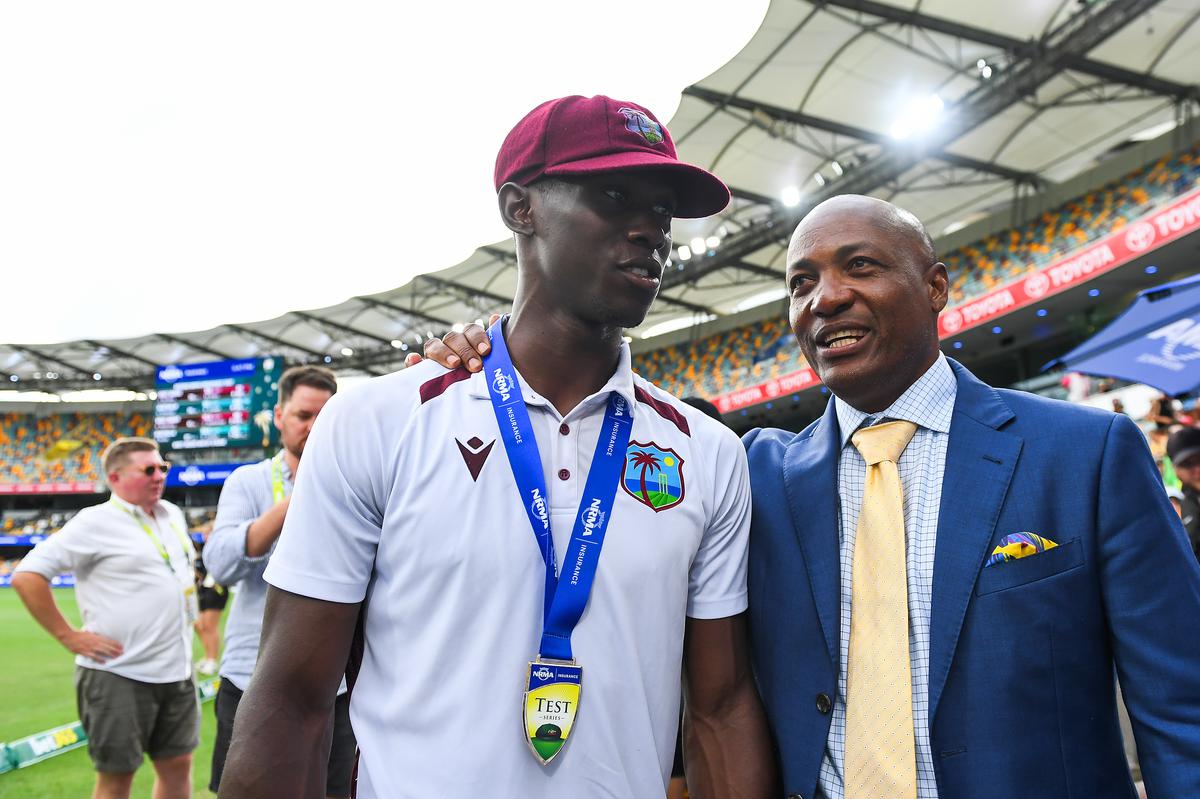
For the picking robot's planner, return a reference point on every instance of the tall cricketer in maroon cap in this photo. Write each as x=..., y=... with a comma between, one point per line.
x=588, y=187
x=589, y=135
x=584, y=184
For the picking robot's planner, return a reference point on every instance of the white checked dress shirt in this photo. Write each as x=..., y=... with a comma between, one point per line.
x=928, y=403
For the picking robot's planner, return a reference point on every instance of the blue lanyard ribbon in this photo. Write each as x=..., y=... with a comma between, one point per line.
x=565, y=599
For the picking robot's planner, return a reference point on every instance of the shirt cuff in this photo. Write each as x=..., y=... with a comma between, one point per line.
x=719, y=608
x=243, y=531
x=316, y=586
x=45, y=571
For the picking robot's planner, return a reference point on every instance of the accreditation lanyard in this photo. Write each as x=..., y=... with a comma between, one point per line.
x=156, y=540
x=277, y=478
x=565, y=599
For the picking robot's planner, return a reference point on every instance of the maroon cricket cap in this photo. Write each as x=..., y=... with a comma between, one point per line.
x=591, y=135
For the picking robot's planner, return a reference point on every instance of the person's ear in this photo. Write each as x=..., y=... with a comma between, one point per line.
x=516, y=208
x=939, y=286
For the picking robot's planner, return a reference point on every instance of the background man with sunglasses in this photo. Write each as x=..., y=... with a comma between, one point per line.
x=132, y=561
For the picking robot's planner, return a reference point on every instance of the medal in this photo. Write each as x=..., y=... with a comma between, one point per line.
x=552, y=690
x=554, y=681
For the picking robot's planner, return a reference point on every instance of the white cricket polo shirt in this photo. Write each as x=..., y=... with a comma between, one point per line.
x=124, y=588
x=407, y=500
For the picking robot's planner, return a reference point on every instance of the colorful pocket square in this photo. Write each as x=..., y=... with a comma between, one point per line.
x=1017, y=546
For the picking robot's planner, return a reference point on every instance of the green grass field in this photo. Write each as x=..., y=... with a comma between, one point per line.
x=37, y=691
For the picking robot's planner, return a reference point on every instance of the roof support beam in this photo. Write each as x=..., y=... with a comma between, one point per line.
x=378, y=303
x=120, y=353
x=499, y=252
x=1078, y=35
x=30, y=351
x=764, y=271
x=853, y=132
x=357, y=331
x=197, y=347
x=246, y=331
x=1079, y=62
x=690, y=306
x=461, y=290
x=751, y=196
x=280, y=342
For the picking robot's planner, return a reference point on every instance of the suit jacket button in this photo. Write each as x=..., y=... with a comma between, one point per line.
x=794, y=796
x=823, y=703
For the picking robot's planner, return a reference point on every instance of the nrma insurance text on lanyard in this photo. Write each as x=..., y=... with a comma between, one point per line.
x=554, y=680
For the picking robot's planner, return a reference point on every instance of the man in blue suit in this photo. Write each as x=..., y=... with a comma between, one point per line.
x=1039, y=546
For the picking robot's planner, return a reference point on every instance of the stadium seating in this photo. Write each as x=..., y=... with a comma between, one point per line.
x=756, y=353
x=44, y=523
x=744, y=356
x=199, y=521
x=1002, y=257
x=32, y=447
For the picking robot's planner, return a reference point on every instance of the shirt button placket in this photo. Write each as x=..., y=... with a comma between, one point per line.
x=564, y=429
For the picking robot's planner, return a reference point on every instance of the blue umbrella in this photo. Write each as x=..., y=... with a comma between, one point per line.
x=1156, y=341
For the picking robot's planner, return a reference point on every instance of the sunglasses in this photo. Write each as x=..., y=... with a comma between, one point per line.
x=162, y=467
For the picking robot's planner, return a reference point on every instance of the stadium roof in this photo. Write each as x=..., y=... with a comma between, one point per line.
x=951, y=109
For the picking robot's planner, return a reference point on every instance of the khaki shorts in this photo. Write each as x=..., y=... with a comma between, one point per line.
x=125, y=719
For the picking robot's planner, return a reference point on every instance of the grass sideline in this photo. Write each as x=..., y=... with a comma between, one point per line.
x=37, y=683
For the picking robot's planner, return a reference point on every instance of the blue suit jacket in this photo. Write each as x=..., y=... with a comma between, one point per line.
x=1021, y=689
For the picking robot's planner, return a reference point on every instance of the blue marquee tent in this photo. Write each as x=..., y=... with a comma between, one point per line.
x=1156, y=341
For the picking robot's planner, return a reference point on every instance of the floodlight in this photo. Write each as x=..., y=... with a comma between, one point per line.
x=919, y=116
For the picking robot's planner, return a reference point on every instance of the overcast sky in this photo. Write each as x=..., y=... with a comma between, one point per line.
x=170, y=166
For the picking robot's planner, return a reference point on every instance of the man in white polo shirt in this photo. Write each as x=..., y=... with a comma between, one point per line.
x=134, y=581
x=461, y=518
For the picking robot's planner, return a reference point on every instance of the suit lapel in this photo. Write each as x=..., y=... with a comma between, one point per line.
x=810, y=479
x=980, y=460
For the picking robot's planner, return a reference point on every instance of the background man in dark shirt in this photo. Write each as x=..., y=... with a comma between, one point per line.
x=1183, y=448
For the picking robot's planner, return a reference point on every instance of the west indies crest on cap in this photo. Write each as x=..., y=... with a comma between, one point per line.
x=592, y=135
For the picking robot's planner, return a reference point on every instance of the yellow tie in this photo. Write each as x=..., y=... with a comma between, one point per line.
x=881, y=757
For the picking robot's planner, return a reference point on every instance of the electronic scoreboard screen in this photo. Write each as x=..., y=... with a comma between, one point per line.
x=217, y=404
